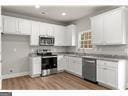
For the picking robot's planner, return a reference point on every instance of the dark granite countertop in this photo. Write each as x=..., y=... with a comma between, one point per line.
x=88, y=55
x=95, y=55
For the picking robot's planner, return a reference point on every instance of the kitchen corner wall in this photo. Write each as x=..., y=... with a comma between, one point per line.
x=15, y=50
x=84, y=24
x=15, y=54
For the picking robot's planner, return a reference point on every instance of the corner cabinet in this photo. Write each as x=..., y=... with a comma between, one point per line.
x=74, y=65
x=65, y=35
x=112, y=73
x=71, y=35
x=60, y=36
x=110, y=28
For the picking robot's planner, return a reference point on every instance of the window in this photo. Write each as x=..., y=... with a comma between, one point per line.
x=85, y=39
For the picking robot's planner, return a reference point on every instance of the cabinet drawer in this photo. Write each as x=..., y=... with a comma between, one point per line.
x=77, y=59
x=107, y=63
x=111, y=64
x=100, y=63
x=37, y=60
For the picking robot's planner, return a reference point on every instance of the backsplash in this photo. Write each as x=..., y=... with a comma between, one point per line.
x=109, y=50
x=52, y=48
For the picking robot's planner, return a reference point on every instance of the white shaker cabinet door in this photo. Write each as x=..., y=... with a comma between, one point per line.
x=112, y=79
x=97, y=30
x=71, y=35
x=78, y=68
x=35, y=66
x=34, y=38
x=43, y=29
x=60, y=36
x=60, y=62
x=113, y=32
x=10, y=25
x=50, y=30
x=101, y=75
x=24, y=27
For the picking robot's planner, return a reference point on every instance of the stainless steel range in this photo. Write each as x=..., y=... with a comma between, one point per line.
x=48, y=62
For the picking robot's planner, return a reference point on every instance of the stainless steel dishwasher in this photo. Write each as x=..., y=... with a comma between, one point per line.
x=89, y=69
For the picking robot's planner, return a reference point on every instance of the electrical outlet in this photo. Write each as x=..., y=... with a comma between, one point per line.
x=10, y=70
x=14, y=50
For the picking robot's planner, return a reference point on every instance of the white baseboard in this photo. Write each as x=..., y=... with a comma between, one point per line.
x=14, y=75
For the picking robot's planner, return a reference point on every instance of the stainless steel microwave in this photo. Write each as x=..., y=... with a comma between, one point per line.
x=46, y=40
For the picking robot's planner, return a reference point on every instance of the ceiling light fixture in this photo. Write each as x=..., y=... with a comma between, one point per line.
x=37, y=6
x=43, y=13
x=63, y=14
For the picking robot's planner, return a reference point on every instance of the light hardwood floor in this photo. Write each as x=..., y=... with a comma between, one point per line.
x=60, y=81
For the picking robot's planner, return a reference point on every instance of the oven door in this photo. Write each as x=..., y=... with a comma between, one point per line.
x=49, y=62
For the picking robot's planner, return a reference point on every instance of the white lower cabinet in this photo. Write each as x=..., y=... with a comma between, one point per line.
x=112, y=79
x=35, y=66
x=60, y=63
x=75, y=65
x=70, y=64
x=111, y=73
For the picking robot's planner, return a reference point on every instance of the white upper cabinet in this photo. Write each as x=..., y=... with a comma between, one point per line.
x=113, y=27
x=25, y=26
x=65, y=36
x=110, y=28
x=46, y=29
x=71, y=35
x=60, y=36
x=43, y=29
x=34, y=37
x=97, y=29
x=10, y=25
x=50, y=30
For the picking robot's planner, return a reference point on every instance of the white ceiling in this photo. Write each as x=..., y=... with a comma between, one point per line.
x=54, y=12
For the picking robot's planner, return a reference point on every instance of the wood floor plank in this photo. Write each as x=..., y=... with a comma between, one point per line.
x=60, y=81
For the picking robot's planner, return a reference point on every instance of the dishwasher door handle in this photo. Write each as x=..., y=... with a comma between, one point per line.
x=89, y=61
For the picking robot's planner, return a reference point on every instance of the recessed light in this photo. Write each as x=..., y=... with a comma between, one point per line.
x=37, y=6
x=43, y=13
x=63, y=14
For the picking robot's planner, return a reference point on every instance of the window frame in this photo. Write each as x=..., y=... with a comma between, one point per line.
x=79, y=39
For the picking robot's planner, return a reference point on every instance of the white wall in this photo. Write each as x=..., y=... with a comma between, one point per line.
x=15, y=50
